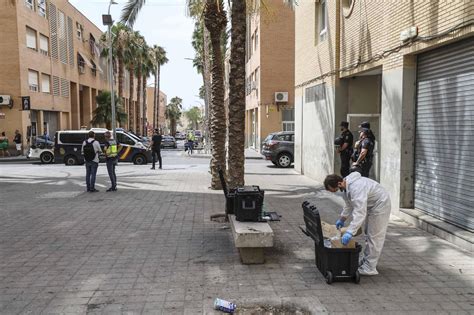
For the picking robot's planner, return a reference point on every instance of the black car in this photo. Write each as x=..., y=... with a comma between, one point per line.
x=168, y=142
x=279, y=148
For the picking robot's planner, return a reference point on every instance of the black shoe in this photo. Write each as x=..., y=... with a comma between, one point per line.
x=161, y=168
x=110, y=189
x=152, y=168
x=93, y=190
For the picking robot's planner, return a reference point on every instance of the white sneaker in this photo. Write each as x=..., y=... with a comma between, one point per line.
x=365, y=270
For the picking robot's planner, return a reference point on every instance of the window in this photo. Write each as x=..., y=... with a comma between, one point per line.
x=81, y=64
x=124, y=139
x=315, y=93
x=73, y=138
x=44, y=45
x=45, y=83
x=322, y=18
x=80, y=30
x=92, y=44
x=30, y=4
x=256, y=40
x=288, y=120
x=251, y=44
x=33, y=80
x=31, y=38
x=285, y=137
x=42, y=8
x=93, y=69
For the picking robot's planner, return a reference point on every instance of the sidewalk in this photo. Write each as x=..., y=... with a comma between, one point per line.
x=14, y=158
x=250, y=154
x=151, y=249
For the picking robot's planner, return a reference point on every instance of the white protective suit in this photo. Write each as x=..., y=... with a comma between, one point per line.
x=367, y=201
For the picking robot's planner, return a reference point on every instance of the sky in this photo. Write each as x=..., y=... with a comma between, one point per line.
x=162, y=22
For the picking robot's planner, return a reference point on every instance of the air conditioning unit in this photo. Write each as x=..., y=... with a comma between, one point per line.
x=5, y=99
x=281, y=97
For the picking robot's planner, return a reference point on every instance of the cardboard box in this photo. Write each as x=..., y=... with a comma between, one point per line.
x=332, y=233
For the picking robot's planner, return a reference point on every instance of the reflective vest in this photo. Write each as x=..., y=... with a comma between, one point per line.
x=111, y=150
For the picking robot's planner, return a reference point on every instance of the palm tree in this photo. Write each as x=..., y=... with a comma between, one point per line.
x=194, y=117
x=215, y=20
x=140, y=41
x=236, y=170
x=159, y=59
x=131, y=61
x=103, y=113
x=147, y=69
x=173, y=112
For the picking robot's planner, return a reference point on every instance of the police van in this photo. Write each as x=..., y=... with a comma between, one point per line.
x=68, y=144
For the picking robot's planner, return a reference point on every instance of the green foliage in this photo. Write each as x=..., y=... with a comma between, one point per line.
x=103, y=113
x=194, y=116
x=173, y=112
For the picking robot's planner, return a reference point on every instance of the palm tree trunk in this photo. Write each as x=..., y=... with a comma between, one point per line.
x=236, y=129
x=130, y=100
x=120, y=75
x=156, y=100
x=137, y=106
x=158, y=77
x=215, y=20
x=144, y=115
x=207, y=82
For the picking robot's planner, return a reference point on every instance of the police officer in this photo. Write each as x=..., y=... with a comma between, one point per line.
x=365, y=152
x=156, y=148
x=346, y=141
x=111, y=158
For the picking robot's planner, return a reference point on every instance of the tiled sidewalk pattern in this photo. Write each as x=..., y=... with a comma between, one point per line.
x=151, y=249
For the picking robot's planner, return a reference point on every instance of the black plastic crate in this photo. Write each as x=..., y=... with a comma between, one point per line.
x=248, y=202
x=336, y=264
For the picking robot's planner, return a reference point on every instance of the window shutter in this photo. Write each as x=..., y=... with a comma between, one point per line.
x=32, y=77
x=30, y=38
x=45, y=83
x=44, y=45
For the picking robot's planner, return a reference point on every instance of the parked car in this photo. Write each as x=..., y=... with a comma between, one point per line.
x=279, y=148
x=180, y=136
x=168, y=142
x=45, y=154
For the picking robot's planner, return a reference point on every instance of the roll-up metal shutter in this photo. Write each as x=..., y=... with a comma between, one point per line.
x=444, y=158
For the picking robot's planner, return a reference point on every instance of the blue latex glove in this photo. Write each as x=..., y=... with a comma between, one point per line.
x=346, y=238
x=339, y=224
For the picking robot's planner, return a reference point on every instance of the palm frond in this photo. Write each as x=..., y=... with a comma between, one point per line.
x=130, y=11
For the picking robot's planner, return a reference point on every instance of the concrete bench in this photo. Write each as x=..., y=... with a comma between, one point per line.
x=251, y=238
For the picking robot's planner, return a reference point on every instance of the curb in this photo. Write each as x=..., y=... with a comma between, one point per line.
x=208, y=156
x=24, y=159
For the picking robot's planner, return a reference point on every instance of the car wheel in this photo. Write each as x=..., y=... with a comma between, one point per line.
x=139, y=159
x=70, y=160
x=46, y=158
x=284, y=160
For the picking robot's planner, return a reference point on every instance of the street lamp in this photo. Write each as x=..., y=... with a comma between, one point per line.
x=107, y=21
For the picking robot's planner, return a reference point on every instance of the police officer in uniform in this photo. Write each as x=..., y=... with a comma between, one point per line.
x=156, y=148
x=111, y=158
x=346, y=141
x=365, y=152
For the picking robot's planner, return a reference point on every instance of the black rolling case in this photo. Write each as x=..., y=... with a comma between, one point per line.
x=248, y=202
x=336, y=264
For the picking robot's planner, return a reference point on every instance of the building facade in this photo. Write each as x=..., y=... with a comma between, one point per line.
x=270, y=72
x=407, y=67
x=150, y=95
x=51, y=54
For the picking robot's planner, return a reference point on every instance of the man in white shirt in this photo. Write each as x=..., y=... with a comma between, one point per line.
x=91, y=150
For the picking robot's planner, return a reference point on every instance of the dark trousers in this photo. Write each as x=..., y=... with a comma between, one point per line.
x=345, y=164
x=366, y=168
x=91, y=172
x=111, y=163
x=190, y=146
x=154, y=153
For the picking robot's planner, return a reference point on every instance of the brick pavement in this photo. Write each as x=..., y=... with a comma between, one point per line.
x=151, y=249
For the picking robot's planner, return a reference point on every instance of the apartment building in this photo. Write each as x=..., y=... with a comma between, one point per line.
x=407, y=67
x=270, y=72
x=150, y=95
x=50, y=53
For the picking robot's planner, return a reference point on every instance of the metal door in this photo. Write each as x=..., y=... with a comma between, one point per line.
x=444, y=155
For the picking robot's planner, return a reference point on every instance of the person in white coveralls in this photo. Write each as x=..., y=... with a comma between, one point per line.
x=367, y=201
